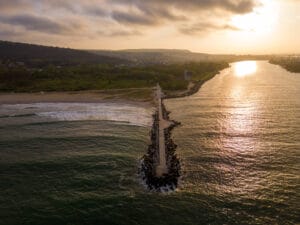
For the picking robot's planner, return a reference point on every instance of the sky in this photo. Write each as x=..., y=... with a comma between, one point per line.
x=208, y=26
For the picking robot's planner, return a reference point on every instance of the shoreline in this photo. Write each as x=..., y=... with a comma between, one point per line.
x=140, y=96
x=194, y=89
x=93, y=96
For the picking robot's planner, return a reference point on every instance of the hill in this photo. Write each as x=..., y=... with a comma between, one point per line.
x=40, y=56
x=154, y=56
x=169, y=56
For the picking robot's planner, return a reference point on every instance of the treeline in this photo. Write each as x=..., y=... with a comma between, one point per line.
x=171, y=56
x=20, y=78
x=291, y=64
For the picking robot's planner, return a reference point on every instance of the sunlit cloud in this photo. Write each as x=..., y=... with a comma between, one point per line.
x=77, y=21
x=261, y=19
x=52, y=16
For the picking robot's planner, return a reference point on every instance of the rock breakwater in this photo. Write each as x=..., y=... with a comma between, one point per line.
x=169, y=180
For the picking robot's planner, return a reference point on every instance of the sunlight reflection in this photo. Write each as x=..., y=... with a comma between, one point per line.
x=240, y=120
x=245, y=68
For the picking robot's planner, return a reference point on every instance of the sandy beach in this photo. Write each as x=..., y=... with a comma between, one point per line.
x=130, y=96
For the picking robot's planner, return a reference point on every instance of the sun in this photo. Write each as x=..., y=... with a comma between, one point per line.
x=261, y=20
x=245, y=68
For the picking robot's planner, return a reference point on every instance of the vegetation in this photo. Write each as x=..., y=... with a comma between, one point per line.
x=33, y=68
x=171, y=56
x=291, y=64
x=99, y=77
x=41, y=56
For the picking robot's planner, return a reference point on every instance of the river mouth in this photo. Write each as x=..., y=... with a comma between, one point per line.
x=238, y=146
x=239, y=141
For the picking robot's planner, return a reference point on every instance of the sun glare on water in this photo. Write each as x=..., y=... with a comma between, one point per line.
x=245, y=68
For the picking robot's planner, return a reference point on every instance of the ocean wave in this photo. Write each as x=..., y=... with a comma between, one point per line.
x=124, y=113
x=18, y=115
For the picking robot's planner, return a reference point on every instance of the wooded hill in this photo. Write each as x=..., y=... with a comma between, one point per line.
x=171, y=56
x=40, y=56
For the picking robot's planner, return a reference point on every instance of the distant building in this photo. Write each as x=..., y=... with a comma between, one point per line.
x=187, y=75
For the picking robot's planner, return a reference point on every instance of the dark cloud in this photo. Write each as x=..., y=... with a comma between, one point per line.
x=41, y=24
x=95, y=11
x=234, y=6
x=133, y=18
x=13, y=4
x=144, y=15
x=119, y=17
x=155, y=12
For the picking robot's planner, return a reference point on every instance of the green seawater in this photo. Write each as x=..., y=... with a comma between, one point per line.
x=238, y=144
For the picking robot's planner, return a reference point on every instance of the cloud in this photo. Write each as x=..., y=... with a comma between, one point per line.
x=156, y=12
x=119, y=33
x=234, y=6
x=146, y=16
x=94, y=18
x=204, y=27
x=12, y=4
x=7, y=32
x=37, y=23
x=130, y=18
x=95, y=11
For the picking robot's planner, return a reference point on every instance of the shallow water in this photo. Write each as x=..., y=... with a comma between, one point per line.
x=77, y=163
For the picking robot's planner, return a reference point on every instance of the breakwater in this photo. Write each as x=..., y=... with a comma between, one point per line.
x=150, y=161
x=160, y=168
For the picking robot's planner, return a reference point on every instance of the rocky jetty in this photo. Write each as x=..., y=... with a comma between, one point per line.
x=169, y=180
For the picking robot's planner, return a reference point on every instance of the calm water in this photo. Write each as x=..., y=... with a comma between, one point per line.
x=239, y=145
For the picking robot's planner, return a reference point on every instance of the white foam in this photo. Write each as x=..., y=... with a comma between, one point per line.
x=128, y=113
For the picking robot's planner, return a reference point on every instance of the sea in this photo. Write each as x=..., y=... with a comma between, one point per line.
x=238, y=145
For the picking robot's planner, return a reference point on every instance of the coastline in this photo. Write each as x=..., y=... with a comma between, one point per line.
x=111, y=96
x=194, y=88
x=287, y=64
x=140, y=96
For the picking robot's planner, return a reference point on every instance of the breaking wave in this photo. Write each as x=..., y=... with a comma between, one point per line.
x=124, y=113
